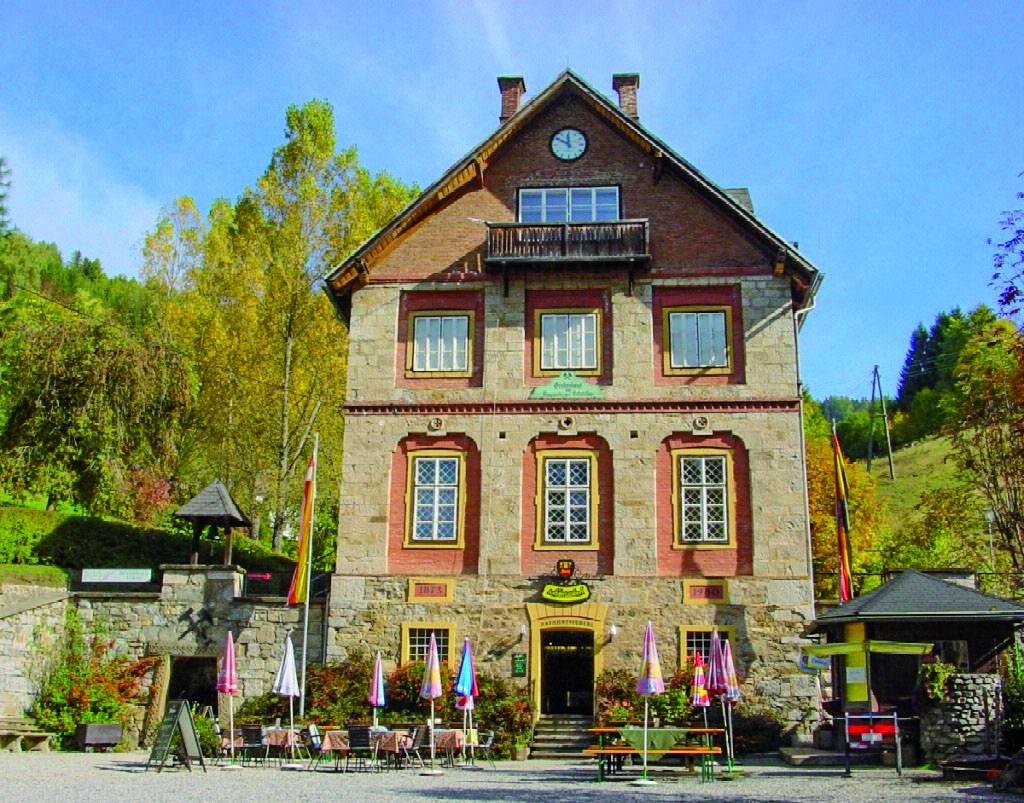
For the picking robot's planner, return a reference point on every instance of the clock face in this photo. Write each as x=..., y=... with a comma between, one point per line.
x=568, y=144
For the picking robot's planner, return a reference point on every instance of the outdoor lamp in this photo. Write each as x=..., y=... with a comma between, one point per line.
x=613, y=631
x=522, y=632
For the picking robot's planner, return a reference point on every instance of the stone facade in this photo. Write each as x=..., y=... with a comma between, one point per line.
x=188, y=618
x=630, y=414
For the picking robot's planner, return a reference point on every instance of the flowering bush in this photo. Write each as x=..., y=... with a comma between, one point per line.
x=85, y=682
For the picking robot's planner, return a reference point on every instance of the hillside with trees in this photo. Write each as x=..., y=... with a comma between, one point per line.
x=121, y=398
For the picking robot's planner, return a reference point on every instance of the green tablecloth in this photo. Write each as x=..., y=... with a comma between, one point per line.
x=658, y=739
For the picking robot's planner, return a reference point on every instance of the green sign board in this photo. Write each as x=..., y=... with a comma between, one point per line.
x=567, y=386
x=519, y=664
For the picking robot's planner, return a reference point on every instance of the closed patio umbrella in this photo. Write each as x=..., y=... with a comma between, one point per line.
x=286, y=684
x=649, y=682
x=431, y=690
x=466, y=689
x=376, y=695
x=227, y=683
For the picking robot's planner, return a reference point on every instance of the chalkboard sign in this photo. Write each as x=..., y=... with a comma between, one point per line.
x=177, y=720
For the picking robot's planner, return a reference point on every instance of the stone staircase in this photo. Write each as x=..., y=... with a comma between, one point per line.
x=561, y=736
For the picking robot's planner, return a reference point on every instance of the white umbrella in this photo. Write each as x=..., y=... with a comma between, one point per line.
x=286, y=684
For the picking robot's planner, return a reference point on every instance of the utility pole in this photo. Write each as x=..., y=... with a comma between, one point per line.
x=876, y=382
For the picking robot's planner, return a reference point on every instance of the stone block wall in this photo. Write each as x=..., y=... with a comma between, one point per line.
x=965, y=724
x=26, y=613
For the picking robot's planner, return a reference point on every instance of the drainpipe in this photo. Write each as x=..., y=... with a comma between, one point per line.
x=803, y=443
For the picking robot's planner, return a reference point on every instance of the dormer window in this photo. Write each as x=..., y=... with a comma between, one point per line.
x=569, y=205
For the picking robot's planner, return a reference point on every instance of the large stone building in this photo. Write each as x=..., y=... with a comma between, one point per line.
x=575, y=352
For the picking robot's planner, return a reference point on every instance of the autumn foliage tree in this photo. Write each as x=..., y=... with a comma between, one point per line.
x=240, y=295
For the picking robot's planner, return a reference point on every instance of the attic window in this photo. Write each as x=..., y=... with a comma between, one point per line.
x=569, y=205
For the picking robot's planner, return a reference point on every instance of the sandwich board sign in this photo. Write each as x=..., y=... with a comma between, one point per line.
x=178, y=722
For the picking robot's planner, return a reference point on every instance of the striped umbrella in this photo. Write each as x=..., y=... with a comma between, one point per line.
x=227, y=683
x=716, y=679
x=732, y=693
x=699, y=697
x=431, y=689
x=376, y=695
x=649, y=682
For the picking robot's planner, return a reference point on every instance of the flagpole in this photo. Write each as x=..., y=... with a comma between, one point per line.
x=309, y=581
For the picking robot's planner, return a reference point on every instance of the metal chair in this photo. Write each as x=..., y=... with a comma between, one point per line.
x=254, y=746
x=486, y=748
x=314, y=743
x=420, y=740
x=361, y=748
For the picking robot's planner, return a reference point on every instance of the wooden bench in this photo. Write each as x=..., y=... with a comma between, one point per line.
x=17, y=735
x=610, y=758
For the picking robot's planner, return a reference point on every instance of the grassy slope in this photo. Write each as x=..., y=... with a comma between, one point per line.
x=923, y=466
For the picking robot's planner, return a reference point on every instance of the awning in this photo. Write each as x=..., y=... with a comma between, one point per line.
x=871, y=645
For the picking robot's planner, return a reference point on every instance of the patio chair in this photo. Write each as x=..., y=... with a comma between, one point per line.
x=420, y=740
x=361, y=749
x=254, y=746
x=314, y=743
x=486, y=748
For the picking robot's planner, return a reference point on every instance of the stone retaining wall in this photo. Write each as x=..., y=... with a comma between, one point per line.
x=25, y=612
x=965, y=724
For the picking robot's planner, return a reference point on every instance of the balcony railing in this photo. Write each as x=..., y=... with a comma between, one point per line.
x=612, y=241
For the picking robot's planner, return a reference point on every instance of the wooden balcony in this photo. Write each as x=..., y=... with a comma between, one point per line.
x=612, y=242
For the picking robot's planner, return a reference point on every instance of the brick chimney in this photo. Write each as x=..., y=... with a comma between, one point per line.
x=626, y=84
x=512, y=88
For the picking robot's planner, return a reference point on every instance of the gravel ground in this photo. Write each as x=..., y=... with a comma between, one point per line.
x=123, y=778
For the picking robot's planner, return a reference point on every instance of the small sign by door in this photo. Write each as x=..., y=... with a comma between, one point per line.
x=519, y=664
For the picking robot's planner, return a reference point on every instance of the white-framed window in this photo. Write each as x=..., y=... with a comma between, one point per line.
x=441, y=342
x=568, y=205
x=568, y=341
x=417, y=642
x=698, y=639
x=703, y=498
x=698, y=339
x=568, y=498
x=436, y=483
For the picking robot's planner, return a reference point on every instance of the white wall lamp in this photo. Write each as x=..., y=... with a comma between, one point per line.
x=522, y=632
x=613, y=631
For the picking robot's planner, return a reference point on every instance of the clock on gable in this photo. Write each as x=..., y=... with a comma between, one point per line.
x=568, y=144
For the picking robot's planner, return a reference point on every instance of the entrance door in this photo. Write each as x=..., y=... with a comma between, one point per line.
x=567, y=672
x=195, y=680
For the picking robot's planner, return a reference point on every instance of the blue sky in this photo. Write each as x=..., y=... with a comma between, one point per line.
x=884, y=137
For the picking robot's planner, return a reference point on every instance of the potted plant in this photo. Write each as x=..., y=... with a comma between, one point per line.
x=520, y=750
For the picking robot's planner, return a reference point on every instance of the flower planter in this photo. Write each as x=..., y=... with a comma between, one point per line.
x=98, y=736
x=520, y=752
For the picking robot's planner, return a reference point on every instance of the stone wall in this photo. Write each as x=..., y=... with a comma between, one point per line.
x=189, y=617
x=965, y=724
x=26, y=614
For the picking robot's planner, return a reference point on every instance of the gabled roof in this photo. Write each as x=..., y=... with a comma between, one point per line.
x=354, y=269
x=915, y=595
x=213, y=505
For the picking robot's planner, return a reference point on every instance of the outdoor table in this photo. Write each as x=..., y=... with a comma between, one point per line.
x=282, y=737
x=451, y=741
x=390, y=743
x=659, y=742
x=334, y=742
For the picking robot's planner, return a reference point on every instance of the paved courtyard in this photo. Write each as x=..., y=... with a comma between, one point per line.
x=123, y=777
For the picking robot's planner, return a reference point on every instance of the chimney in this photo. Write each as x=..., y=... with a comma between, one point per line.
x=512, y=88
x=626, y=84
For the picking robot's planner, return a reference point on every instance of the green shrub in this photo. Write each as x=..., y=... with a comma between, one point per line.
x=757, y=730
x=29, y=536
x=933, y=681
x=336, y=693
